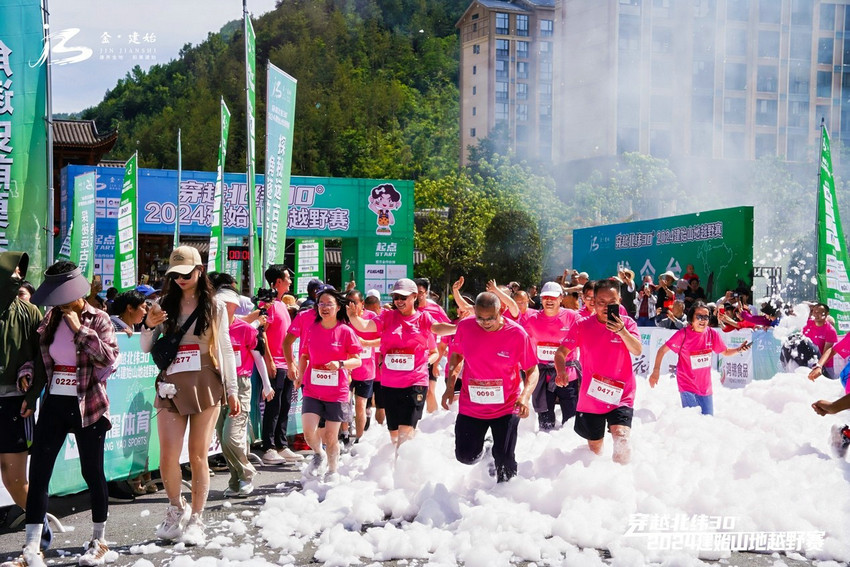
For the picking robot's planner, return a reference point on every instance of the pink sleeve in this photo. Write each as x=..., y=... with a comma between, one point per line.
x=719, y=344
x=571, y=338
x=842, y=347
x=528, y=357
x=352, y=342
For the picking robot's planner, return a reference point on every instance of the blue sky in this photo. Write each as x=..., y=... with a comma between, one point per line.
x=116, y=35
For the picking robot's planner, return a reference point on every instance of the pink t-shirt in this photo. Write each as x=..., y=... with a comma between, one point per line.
x=449, y=341
x=547, y=333
x=608, y=380
x=821, y=335
x=323, y=346
x=435, y=311
x=366, y=371
x=491, y=367
x=693, y=370
x=276, y=328
x=244, y=339
x=62, y=350
x=405, y=345
x=523, y=317
x=302, y=319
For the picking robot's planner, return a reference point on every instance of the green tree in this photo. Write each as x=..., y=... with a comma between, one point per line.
x=512, y=248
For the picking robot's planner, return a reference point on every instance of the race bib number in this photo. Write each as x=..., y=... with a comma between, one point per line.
x=701, y=359
x=188, y=359
x=64, y=381
x=605, y=389
x=366, y=352
x=488, y=392
x=546, y=352
x=322, y=377
x=399, y=361
x=238, y=355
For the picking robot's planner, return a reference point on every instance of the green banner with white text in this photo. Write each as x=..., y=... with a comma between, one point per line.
x=126, y=243
x=280, y=121
x=24, y=180
x=215, y=262
x=833, y=284
x=251, y=93
x=83, y=231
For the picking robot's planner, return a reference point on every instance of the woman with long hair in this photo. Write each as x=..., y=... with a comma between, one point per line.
x=192, y=389
x=79, y=350
x=329, y=350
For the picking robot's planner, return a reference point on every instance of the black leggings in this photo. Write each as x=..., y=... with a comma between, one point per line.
x=469, y=442
x=59, y=416
x=276, y=412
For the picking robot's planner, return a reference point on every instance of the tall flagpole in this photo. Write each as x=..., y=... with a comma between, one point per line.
x=179, y=184
x=49, y=125
x=249, y=150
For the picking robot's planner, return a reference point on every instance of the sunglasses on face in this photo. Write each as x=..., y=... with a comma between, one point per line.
x=702, y=317
x=400, y=297
x=175, y=276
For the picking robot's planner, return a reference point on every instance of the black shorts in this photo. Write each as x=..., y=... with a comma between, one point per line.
x=17, y=430
x=403, y=406
x=591, y=426
x=362, y=389
x=328, y=411
x=378, y=391
x=431, y=370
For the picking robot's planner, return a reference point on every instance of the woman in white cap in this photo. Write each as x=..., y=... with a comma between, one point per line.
x=192, y=389
x=407, y=340
x=79, y=350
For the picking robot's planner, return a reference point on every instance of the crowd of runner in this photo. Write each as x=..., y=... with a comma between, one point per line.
x=565, y=352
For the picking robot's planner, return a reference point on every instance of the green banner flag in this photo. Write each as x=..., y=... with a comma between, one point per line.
x=215, y=262
x=251, y=93
x=83, y=231
x=309, y=263
x=126, y=248
x=833, y=284
x=280, y=121
x=24, y=180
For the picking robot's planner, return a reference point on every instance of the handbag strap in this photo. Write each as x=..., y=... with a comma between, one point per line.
x=189, y=321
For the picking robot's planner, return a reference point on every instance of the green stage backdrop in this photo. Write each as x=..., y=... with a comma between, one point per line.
x=718, y=243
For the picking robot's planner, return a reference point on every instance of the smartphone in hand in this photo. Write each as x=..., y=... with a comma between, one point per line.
x=613, y=310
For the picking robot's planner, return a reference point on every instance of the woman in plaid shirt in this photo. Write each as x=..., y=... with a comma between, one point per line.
x=79, y=350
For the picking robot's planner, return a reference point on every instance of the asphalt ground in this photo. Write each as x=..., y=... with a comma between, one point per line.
x=131, y=526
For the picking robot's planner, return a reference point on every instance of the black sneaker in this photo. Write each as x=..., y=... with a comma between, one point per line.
x=120, y=491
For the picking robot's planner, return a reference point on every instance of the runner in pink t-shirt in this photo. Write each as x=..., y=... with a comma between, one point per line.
x=329, y=350
x=363, y=378
x=606, y=395
x=494, y=350
x=547, y=329
x=695, y=345
x=822, y=333
x=407, y=339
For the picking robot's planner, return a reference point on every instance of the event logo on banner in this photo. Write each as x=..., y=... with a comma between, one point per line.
x=125, y=252
x=280, y=120
x=833, y=285
x=24, y=179
x=215, y=262
x=83, y=227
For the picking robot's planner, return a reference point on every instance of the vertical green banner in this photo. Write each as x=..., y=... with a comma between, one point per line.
x=83, y=231
x=251, y=151
x=24, y=180
x=280, y=120
x=309, y=263
x=215, y=263
x=833, y=284
x=126, y=246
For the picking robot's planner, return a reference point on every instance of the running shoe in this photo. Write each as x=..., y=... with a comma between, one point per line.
x=193, y=533
x=175, y=520
x=97, y=553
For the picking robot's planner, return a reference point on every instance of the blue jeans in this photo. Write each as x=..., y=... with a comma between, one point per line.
x=691, y=400
x=645, y=322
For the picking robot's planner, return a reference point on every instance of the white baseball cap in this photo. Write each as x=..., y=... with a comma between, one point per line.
x=551, y=289
x=373, y=293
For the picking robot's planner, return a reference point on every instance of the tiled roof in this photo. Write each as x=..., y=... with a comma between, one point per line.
x=80, y=133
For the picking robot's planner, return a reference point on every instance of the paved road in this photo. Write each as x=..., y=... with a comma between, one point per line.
x=133, y=524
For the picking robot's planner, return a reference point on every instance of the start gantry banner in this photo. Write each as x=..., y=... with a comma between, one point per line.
x=24, y=181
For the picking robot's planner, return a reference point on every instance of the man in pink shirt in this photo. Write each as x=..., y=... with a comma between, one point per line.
x=276, y=413
x=493, y=350
x=426, y=305
x=607, y=392
x=822, y=333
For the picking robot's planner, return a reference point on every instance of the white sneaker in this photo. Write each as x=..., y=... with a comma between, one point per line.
x=317, y=465
x=175, y=520
x=27, y=558
x=193, y=533
x=331, y=477
x=97, y=553
x=272, y=457
x=289, y=456
x=245, y=488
